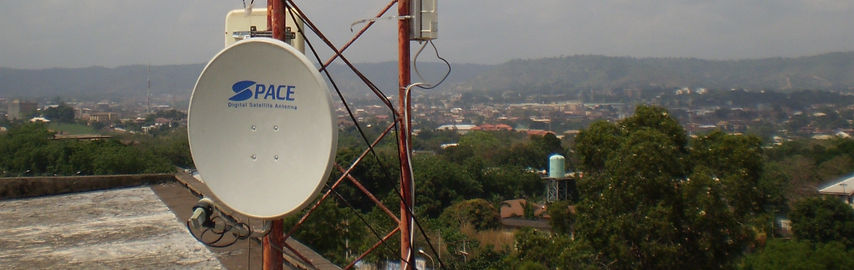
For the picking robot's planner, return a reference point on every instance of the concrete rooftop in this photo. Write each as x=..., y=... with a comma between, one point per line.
x=112, y=229
x=137, y=227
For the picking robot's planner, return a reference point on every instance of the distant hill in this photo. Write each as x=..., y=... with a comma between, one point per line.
x=384, y=75
x=130, y=81
x=549, y=75
x=97, y=82
x=826, y=71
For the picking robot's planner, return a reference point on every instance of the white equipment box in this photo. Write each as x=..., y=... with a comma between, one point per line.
x=425, y=20
x=238, y=26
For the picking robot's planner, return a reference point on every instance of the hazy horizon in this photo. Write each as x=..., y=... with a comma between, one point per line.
x=457, y=63
x=87, y=33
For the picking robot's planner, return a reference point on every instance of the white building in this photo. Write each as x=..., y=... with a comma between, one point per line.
x=842, y=188
x=460, y=128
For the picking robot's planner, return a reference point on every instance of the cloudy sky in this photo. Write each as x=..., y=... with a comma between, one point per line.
x=80, y=33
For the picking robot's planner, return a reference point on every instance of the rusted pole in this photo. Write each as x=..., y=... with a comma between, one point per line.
x=277, y=18
x=276, y=238
x=274, y=241
x=403, y=136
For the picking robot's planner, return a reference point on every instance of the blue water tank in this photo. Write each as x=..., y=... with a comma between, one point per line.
x=557, y=166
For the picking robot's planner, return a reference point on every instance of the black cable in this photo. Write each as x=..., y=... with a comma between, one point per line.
x=226, y=228
x=415, y=66
x=201, y=236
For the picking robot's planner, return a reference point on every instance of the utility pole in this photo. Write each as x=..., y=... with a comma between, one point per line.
x=403, y=136
x=274, y=241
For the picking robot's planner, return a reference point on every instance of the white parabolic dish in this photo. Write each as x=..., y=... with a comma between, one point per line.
x=261, y=128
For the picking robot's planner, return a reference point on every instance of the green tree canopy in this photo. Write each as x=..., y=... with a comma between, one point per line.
x=61, y=113
x=652, y=199
x=478, y=212
x=800, y=255
x=29, y=149
x=822, y=220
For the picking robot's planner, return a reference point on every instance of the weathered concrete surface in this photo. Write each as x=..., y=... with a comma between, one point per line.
x=244, y=254
x=115, y=229
x=25, y=187
x=233, y=257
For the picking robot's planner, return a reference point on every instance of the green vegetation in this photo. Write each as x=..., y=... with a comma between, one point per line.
x=459, y=193
x=70, y=128
x=476, y=212
x=801, y=255
x=808, y=164
x=651, y=197
x=824, y=230
x=656, y=200
x=824, y=220
x=62, y=113
x=30, y=150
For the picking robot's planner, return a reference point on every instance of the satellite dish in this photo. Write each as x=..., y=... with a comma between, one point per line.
x=261, y=128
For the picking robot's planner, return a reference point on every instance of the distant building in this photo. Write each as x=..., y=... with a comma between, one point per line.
x=843, y=188
x=449, y=145
x=459, y=128
x=20, y=109
x=490, y=127
x=101, y=117
x=39, y=119
x=822, y=137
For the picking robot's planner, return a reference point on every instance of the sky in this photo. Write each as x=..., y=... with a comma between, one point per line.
x=80, y=33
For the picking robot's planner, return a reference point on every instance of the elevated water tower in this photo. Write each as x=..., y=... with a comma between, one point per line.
x=559, y=184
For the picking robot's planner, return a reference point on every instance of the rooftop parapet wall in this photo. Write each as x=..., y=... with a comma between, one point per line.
x=24, y=187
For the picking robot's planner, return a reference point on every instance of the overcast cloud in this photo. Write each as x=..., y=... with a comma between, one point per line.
x=66, y=33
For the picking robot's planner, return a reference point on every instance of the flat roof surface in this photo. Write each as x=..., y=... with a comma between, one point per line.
x=129, y=228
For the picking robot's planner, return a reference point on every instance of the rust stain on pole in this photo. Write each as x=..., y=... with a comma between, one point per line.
x=278, y=19
x=272, y=256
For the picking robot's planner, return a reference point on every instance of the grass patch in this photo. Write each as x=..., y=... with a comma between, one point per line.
x=71, y=129
x=499, y=239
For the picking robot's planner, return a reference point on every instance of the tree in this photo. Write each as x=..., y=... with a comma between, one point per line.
x=29, y=150
x=441, y=183
x=595, y=144
x=537, y=249
x=822, y=220
x=478, y=212
x=61, y=113
x=651, y=199
x=800, y=254
x=561, y=217
x=737, y=162
x=332, y=230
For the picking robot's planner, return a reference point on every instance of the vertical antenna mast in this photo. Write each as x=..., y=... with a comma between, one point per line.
x=275, y=240
x=403, y=136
